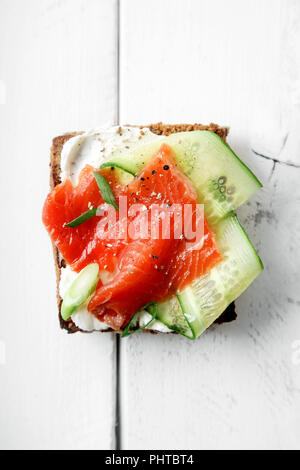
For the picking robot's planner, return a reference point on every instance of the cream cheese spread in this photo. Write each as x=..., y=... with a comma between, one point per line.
x=94, y=148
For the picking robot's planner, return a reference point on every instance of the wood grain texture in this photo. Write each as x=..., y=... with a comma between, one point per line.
x=58, y=65
x=235, y=63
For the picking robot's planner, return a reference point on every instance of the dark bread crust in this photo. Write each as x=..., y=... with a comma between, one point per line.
x=160, y=129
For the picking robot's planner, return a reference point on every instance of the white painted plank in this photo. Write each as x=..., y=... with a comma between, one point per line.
x=58, y=67
x=233, y=63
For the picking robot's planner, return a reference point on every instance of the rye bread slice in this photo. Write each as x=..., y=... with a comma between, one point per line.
x=229, y=314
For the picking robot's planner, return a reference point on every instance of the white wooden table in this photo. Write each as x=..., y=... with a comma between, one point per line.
x=73, y=64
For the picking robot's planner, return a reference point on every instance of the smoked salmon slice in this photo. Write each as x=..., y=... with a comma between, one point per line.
x=154, y=269
x=145, y=265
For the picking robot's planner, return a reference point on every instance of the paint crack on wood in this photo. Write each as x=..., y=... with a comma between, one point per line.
x=272, y=171
x=275, y=160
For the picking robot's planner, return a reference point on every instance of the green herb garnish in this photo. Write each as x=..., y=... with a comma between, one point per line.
x=116, y=165
x=108, y=196
x=80, y=290
x=151, y=308
x=82, y=218
x=106, y=191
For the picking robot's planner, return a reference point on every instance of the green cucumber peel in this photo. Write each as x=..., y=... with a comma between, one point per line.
x=151, y=308
x=80, y=290
x=106, y=191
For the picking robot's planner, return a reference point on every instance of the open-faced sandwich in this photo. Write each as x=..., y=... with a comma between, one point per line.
x=144, y=231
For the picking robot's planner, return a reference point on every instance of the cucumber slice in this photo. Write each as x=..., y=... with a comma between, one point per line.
x=207, y=298
x=170, y=314
x=223, y=182
x=80, y=290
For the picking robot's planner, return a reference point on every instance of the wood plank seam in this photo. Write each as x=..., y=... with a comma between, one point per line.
x=118, y=411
